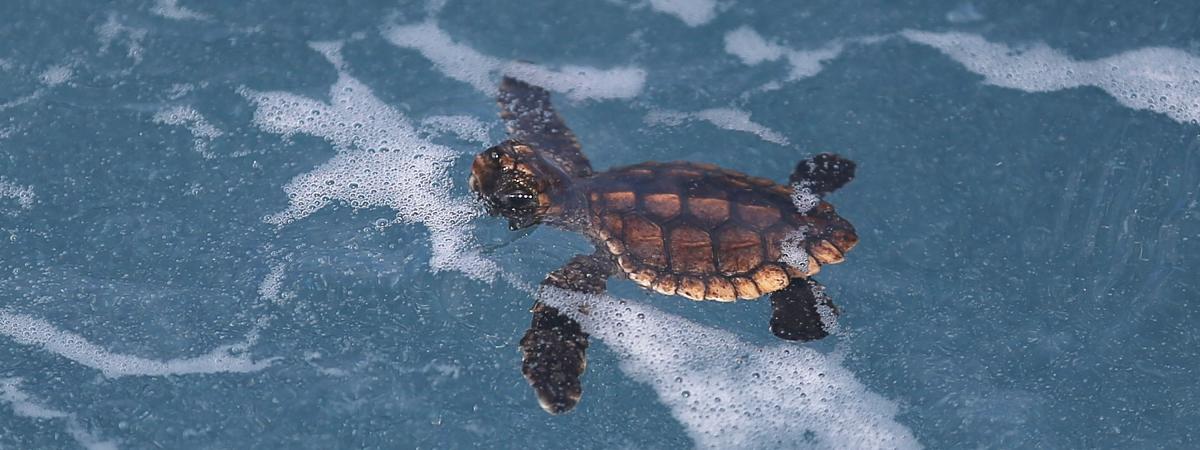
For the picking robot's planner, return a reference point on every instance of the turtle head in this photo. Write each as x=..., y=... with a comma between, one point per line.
x=515, y=182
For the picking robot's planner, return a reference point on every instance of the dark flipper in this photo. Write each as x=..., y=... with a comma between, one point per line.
x=797, y=311
x=824, y=173
x=554, y=348
x=531, y=118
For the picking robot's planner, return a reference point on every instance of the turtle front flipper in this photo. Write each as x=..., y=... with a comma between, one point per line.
x=802, y=311
x=824, y=173
x=530, y=118
x=554, y=349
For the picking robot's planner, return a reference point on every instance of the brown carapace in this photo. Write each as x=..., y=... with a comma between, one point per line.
x=708, y=233
x=678, y=228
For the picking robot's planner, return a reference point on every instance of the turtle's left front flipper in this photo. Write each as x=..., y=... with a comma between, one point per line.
x=554, y=349
x=802, y=312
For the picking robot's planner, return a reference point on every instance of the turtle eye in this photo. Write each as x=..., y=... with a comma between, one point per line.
x=494, y=154
x=517, y=201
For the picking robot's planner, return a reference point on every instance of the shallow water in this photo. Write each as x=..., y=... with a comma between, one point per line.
x=246, y=225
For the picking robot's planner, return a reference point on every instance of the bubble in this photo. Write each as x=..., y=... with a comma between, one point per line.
x=32, y=331
x=463, y=63
x=1151, y=78
x=729, y=393
x=413, y=179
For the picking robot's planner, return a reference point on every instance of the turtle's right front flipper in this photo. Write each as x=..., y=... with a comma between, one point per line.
x=554, y=349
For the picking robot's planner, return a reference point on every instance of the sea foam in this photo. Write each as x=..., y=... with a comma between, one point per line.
x=172, y=10
x=1159, y=79
x=463, y=63
x=203, y=132
x=381, y=160
x=23, y=195
x=692, y=12
x=32, y=331
x=729, y=393
x=24, y=406
x=753, y=49
x=726, y=118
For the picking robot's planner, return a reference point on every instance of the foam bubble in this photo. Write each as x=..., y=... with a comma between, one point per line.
x=1159, y=79
x=803, y=198
x=753, y=49
x=23, y=99
x=463, y=63
x=726, y=118
x=729, y=393
x=56, y=75
x=792, y=250
x=202, y=131
x=29, y=330
x=692, y=12
x=467, y=128
x=23, y=405
x=172, y=10
x=23, y=195
x=382, y=161
x=112, y=29
x=270, y=287
x=964, y=13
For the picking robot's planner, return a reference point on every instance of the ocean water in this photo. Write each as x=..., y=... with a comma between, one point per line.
x=241, y=224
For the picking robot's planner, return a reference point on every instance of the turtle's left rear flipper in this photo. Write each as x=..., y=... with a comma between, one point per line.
x=802, y=311
x=554, y=349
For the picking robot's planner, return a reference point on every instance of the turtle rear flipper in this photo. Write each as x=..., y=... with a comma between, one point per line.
x=554, y=349
x=802, y=311
x=824, y=173
x=554, y=353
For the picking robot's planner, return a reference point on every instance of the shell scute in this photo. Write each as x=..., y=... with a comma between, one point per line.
x=644, y=239
x=739, y=250
x=691, y=250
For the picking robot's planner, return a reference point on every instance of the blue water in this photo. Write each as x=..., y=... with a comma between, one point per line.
x=246, y=225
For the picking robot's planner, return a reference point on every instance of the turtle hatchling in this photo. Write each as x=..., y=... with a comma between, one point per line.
x=677, y=228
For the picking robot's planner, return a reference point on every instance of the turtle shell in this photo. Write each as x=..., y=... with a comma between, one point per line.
x=708, y=233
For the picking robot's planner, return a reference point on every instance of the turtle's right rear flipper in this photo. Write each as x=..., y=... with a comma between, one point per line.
x=554, y=349
x=802, y=311
x=553, y=358
x=824, y=173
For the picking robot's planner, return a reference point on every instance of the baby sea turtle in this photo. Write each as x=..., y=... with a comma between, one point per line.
x=679, y=228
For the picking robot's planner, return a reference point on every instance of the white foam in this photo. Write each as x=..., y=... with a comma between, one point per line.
x=692, y=12
x=792, y=251
x=382, y=161
x=112, y=29
x=23, y=99
x=203, y=132
x=964, y=13
x=23, y=195
x=179, y=90
x=32, y=331
x=6, y=64
x=753, y=49
x=56, y=75
x=172, y=10
x=729, y=393
x=461, y=62
x=270, y=288
x=24, y=406
x=803, y=198
x=726, y=118
x=467, y=128
x=1159, y=79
